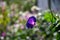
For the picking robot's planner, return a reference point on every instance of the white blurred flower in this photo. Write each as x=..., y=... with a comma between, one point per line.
x=2, y=38
x=15, y=30
x=35, y=8
x=57, y=14
x=58, y=30
x=20, y=13
x=16, y=27
x=23, y=14
x=55, y=34
x=39, y=14
x=28, y=38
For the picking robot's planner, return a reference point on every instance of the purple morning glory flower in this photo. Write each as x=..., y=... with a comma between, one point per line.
x=31, y=22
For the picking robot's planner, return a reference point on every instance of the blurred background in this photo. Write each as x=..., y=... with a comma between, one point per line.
x=14, y=15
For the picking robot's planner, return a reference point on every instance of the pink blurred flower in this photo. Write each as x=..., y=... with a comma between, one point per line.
x=3, y=5
x=3, y=34
x=22, y=26
x=27, y=16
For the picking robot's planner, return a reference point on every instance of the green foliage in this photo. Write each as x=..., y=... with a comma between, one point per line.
x=58, y=36
x=27, y=7
x=49, y=17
